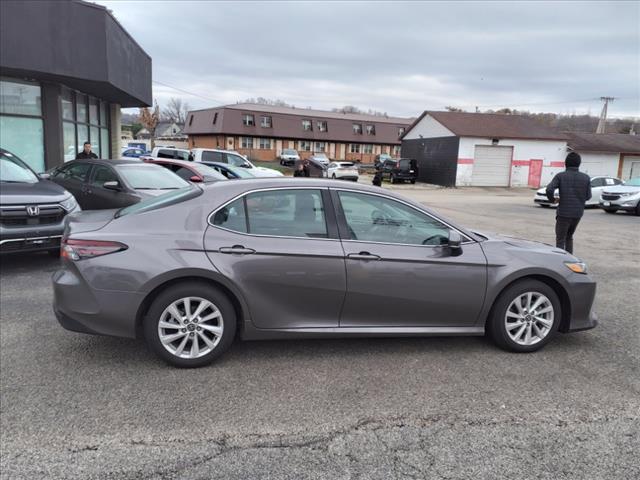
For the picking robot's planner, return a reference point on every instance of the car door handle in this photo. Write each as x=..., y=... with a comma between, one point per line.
x=363, y=256
x=237, y=250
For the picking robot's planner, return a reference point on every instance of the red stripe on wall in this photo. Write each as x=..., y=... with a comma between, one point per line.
x=465, y=161
x=520, y=163
x=556, y=164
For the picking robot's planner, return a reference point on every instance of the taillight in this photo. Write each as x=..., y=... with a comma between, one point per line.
x=81, y=249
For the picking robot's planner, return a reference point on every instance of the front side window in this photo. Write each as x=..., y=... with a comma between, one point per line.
x=248, y=121
x=597, y=182
x=76, y=171
x=265, y=122
x=232, y=217
x=357, y=128
x=371, y=218
x=102, y=174
x=306, y=125
x=355, y=148
x=235, y=160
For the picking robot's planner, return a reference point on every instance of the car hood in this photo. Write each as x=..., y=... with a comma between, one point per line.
x=265, y=172
x=521, y=243
x=622, y=189
x=43, y=191
x=543, y=191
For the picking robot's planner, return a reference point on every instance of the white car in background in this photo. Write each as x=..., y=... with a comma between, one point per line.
x=598, y=184
x=343, y=171
x=232, y=158
x=321, y=158
x=622, y=197
x=289, y=157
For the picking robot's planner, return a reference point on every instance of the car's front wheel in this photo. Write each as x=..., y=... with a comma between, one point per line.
x=611, y=210
x=525, y=317
x=190, y=324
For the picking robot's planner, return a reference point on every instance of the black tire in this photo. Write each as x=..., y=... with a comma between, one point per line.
x=54, y=253
x=611, y=210
x=182, y=290
x=544, y=205
x=496, y=327
x=413, y=182
x=638, y=210
x=333, y=176
x=392, y=178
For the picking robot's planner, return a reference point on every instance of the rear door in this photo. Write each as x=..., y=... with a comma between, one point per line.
x=281, y=248
x=400, y=273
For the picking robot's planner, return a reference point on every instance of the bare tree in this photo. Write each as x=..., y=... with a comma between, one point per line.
x=176, y=111
x=149, y=119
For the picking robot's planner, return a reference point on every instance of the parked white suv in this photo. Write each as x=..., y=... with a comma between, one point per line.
x=288, y=157
x=598, y=184
x=232, y=158
x=622, y=197
x=169, y=152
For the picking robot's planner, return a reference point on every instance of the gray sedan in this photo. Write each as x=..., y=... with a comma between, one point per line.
x=298, y=258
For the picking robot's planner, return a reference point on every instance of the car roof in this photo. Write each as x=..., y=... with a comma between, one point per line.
x=173, y=161
x=107, y=161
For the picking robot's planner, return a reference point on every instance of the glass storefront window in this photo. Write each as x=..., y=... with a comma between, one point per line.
x=18, y=97
x=95, y=141
x=23, y=136
x=83, y=136
x=93, y=111
x=67, y=104
x=81, y=108
x=103, y=113
x=69, y=141
x=104, y=142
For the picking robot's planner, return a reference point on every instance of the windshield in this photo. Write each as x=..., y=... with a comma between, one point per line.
x=241, y=172
x=633, y=182
x=150, y=177
x=206, y=170
x=13, y=170
x=164, y=200
x=289, y=152
x=320, y=155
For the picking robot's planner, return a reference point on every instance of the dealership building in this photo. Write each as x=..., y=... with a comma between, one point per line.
x=66, y=69
x=262, y=131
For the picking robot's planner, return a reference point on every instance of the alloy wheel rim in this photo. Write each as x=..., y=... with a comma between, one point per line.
x=190, y=327
x=529, y=318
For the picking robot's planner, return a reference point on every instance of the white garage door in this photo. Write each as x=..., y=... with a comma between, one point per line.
x=596, y=168
x=491, y=166
x=631, y=167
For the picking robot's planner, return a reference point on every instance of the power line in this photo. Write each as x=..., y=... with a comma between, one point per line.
x=538, y=103
x=189, y=93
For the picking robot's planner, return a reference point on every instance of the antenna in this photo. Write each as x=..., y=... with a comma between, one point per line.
x=602, y=124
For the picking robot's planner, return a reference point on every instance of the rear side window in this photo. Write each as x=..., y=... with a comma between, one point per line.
x=212, y=156
x=404, y=164
x=184, y=173
x=165, y=154
x=277, y=213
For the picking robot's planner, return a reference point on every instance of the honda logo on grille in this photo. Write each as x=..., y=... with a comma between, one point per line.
x=33, y=210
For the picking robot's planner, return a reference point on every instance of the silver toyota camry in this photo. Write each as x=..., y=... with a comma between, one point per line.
x=190, y=270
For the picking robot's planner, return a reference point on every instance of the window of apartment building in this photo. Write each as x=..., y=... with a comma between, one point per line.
x=355, y=148
x=264, y=143
x=306, y=125
x=357, y=128
x=322, y=126
x=368, y=148
x=304, y=146
x=191, y=119
x=265, y=122
x=396, y=150
x=246, y=142
x=248, y=120
x=320, y=147
x=400, y=131
x=371, y=129
x=21, y=125
x=87, y=122
x=215, y=118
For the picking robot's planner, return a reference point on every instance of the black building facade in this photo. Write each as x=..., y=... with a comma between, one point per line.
x=437, y=159
x=66, y=69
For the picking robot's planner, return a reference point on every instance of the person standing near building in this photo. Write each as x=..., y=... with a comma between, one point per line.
x=574, y=190
x=86, y=152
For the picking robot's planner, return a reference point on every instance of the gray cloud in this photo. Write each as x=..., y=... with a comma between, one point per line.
x=399, y=57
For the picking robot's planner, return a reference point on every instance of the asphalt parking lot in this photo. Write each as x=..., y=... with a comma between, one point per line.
x=77, y=406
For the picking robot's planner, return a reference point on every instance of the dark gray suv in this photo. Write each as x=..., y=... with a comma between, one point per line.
x=32, y=210
x=298, y=258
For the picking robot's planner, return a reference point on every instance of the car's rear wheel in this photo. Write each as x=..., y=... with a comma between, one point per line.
x=190, y=324
x=525, y=317
x=638, y=209
x=413, y=181
x=611, y=210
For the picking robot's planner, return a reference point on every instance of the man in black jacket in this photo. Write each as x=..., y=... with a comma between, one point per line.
x=86, y=152
x=574, y=189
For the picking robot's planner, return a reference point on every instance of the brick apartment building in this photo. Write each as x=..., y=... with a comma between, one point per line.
x=262, y=131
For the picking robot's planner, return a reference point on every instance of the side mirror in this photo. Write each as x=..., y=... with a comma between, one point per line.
x=112, y=185
x=44, y=175
x=195, y=179
x=455, y=241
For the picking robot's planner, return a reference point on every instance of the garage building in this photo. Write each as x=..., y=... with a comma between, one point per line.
x=613, y=154
x=481, y=149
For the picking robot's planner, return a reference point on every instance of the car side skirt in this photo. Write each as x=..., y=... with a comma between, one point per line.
x=252, y=333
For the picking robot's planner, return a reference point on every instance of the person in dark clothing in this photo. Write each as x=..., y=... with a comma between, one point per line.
x=574, y=190
x=377, y=179
x=86, y=152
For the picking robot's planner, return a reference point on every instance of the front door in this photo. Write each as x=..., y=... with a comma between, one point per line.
x=400, y=273
x=282, y=251
x=97, y=197
x=535, y=172
x=74, y=177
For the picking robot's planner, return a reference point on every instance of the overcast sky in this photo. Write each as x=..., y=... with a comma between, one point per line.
x=400, y=58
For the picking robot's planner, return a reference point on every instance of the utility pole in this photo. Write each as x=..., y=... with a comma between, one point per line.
x=602, y=124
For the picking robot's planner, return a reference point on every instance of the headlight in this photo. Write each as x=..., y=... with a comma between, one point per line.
x=69, y=204
x=626, y=194
x=577, y=267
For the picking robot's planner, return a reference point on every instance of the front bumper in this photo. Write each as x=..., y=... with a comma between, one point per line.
x=582, y=292
x=621, y=204
x=31, y=239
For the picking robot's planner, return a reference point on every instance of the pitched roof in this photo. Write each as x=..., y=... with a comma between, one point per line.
x=492, y=125
x=604, y=142
x=309, y=112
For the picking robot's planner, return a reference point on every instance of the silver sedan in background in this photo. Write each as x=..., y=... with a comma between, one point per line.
x=301, y=258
